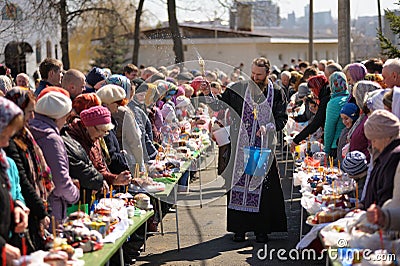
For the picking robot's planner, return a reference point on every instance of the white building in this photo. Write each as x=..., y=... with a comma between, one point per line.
x=232, y=47
x=23, y=43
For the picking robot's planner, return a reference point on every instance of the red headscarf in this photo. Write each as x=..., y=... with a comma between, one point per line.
x=316, y=83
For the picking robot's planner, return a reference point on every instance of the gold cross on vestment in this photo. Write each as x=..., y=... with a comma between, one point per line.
x=255, y=113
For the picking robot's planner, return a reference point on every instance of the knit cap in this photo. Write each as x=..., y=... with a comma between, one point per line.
x=381, y=124
x=95, y=116
x=351, y=110
x=95, y=76
x=354, y=163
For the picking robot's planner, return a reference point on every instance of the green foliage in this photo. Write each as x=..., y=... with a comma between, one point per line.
x=111, y=51
x=390, y=49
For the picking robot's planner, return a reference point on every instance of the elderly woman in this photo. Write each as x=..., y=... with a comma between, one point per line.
x=333, y=123
x=114, y=98
x=356, y=136
x=382, y=129
x=12, y=219
x=95, y=123
x=388, y=217
x=35, y=175
x=52, y=110
x=320, y=89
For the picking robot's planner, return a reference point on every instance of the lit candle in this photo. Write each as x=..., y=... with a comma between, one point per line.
x=84, y=198
x=53, y=221
x=126, y=189
x=79, y=207
x=105, y=193
x=111, y=191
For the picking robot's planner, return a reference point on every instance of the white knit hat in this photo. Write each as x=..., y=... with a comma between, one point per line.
x=54, y=105
x=111, y=93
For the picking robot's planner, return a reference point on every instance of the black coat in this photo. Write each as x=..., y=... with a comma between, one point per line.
x=319, y=118
x=118, y=162
x=235, y=95
x=32, y=199
x=380, y=184
x=5, y=210
x=81, y=168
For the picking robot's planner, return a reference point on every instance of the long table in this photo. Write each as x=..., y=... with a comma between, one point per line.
x=102, y=256
x=171, y=190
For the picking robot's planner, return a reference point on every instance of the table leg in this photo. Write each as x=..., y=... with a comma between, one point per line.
x=121, y=256
x=161, y=216
x=301, y=222
x=176, y=219
x=145, y=236
x=201, y=194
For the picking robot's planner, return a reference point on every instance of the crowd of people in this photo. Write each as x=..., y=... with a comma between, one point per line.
x=72, y=136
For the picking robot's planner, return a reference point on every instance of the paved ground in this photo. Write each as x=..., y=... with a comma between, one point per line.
x=205, y=241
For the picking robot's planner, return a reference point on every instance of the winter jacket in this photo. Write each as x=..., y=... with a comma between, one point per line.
x=129, y=135
x=13, y=176
x=77, y=131
x=380, y=185
x=391, y=208
x=81, y=168
x=333, y=123
x=32, y=198
x=358, y=141
x=6, y=207
x=143, y=121
x=47, y=135
x=42, y=85
x=118, y=162
x=319, y=118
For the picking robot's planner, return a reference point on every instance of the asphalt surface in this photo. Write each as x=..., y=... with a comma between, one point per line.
x=203, y=236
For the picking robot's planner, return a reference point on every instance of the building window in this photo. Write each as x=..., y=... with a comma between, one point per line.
x=38, y=52
x=280, y=57
x=56, y=51
x=48, y=49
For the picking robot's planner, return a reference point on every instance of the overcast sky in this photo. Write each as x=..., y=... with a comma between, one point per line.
x=207, y=9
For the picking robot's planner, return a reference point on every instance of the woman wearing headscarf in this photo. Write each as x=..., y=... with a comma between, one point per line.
x=319, y=86
x=354, y=73
x=382, y=129
x=356, y=136
x=12, y=213
x=349, y=114
x=35, y=175
x=333, y=124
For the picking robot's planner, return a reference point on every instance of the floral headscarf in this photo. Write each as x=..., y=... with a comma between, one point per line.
x=8, y=110
x=338, y=82
x=316, y=83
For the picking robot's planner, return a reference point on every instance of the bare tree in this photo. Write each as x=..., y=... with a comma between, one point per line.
x=174, y=28
x=66, y=13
